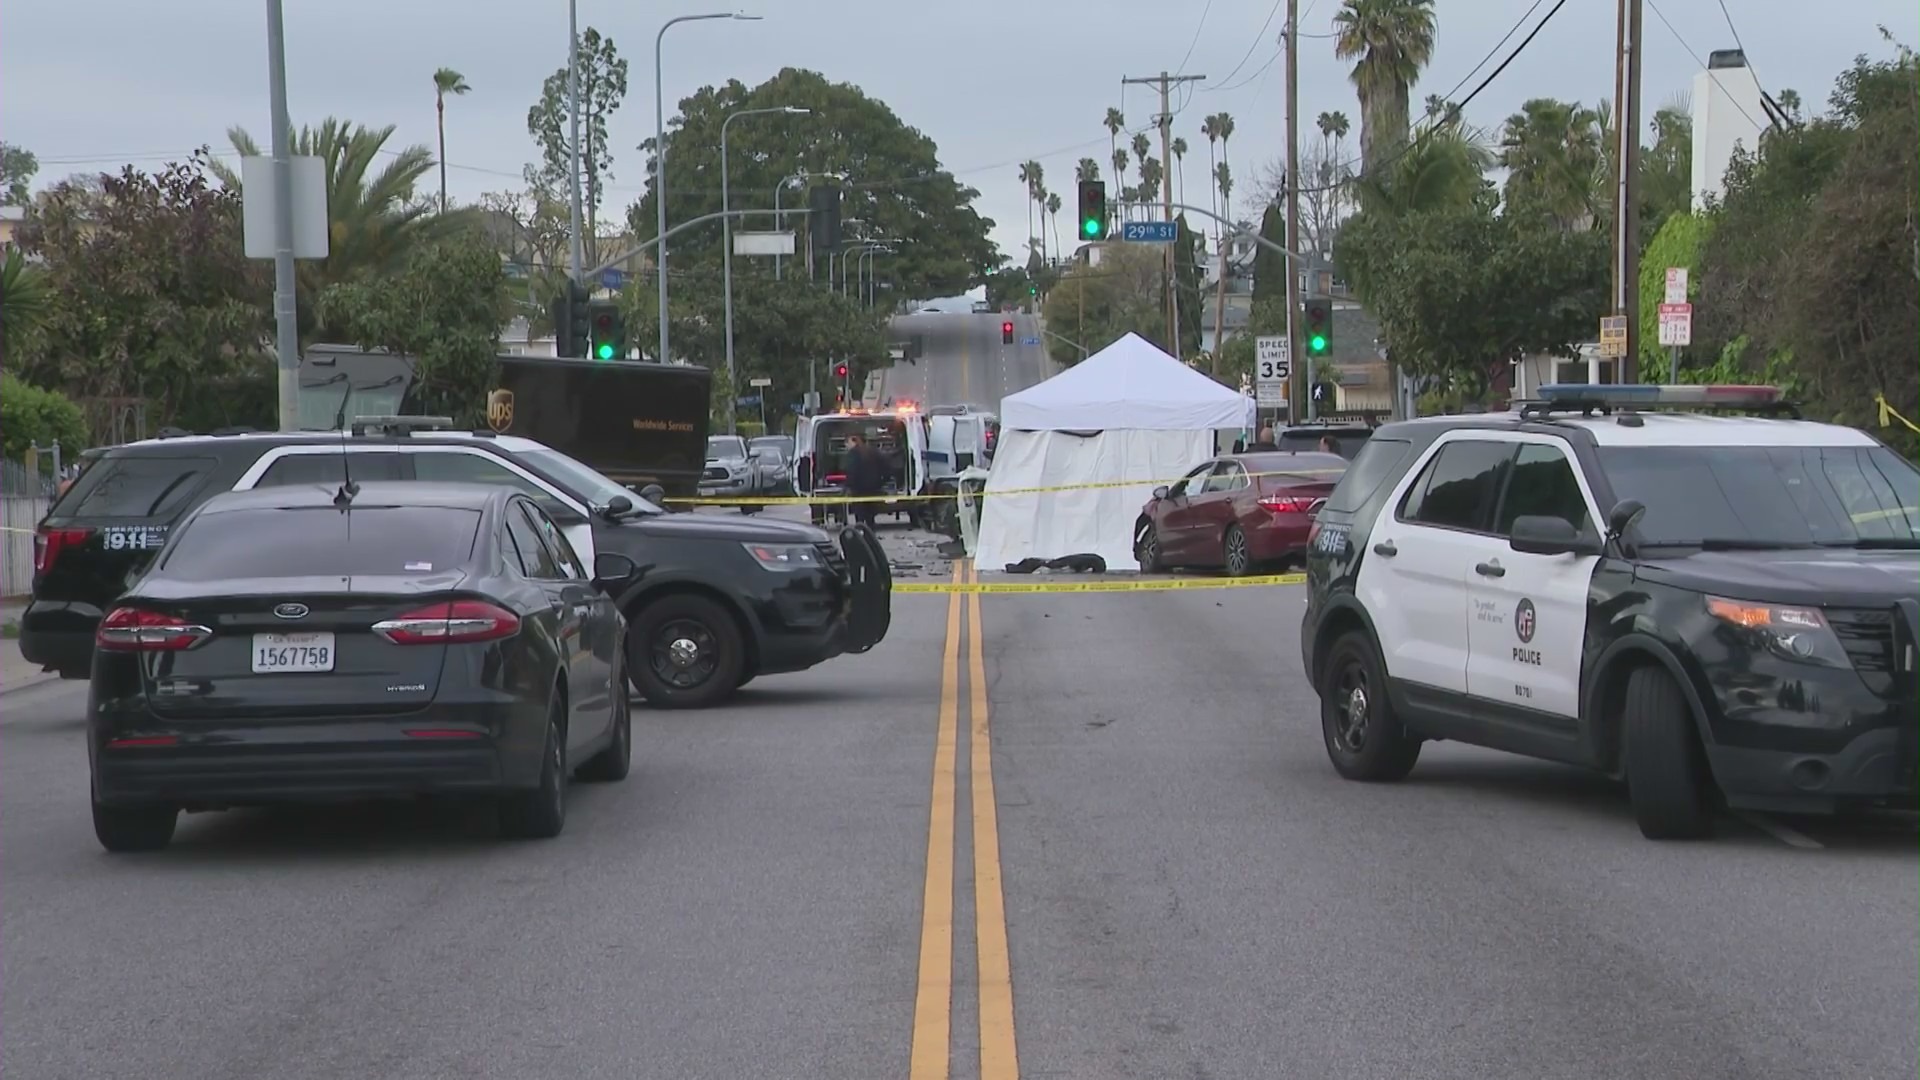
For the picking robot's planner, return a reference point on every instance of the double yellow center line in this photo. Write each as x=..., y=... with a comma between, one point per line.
x=933, y=1003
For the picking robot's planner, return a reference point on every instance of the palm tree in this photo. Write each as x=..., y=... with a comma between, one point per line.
x=1151, y=173
x=374, y=219
x=1141, y=148
x=25, y=299
x=1443, y=169
x=1223, y=123
x=1118, y=207
x=1179, y=148
x=1037, y=191
x=1086, y=169
x=1114, y=122
x=445, y=81
x=1555, y=155
x=1028, y=174
x=1391, y=41
x=1053, y=212
x=1223, y=177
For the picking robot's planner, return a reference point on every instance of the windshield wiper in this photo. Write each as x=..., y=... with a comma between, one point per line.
x=1730, y=543
x=1878, y=543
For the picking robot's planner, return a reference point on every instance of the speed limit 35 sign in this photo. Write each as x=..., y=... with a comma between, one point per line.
x=1272, y=369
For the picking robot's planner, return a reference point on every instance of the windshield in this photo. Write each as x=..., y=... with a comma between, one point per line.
x=726, y=446
x=780, y=443
x=1785, y=495
x=597, y=488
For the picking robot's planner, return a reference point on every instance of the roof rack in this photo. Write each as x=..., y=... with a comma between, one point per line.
x=399, y=425
x=1369, y=417
x=1605, y=399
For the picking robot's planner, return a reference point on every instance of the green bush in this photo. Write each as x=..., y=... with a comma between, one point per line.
x=30, y=415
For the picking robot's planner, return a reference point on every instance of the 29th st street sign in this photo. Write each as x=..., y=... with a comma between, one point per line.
x=1149, y=232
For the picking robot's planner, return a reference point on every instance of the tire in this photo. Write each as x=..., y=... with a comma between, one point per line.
x=1668, y=781
x=125, y=830
x=1377, y=748
x=613, y=763
x=1148, y=553
x=1235, y=555
x=670, y=678
x=541, y=813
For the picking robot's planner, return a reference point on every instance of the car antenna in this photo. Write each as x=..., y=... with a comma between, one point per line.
x=348, y=489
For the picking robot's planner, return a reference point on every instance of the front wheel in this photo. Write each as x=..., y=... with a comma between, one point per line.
x=1668, y=780
x=686, y=652
x=1149, y=554
x=1364, y=738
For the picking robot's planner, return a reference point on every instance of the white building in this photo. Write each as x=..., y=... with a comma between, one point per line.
x=1728, y=111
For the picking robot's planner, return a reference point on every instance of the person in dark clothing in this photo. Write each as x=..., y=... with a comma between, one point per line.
x=864, y=477
x=1264, y=442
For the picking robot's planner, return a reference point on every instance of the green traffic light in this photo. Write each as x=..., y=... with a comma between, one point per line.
x=1091, y=227
x=1318, y=343
x=604, y=351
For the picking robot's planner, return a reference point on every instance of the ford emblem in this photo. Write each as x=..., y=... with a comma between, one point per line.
x=291, y=611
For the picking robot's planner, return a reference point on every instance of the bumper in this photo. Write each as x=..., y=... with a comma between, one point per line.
x=726, y=489
x=1808, y=740
x=1875, y=767
x=1279, y=537
x=58, y=636
x=223, y=763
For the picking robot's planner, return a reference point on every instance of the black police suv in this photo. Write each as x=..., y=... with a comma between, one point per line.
x=302, y=643
x=714, y=602
x=1716, y=608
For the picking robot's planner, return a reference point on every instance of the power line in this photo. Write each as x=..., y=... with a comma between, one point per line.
x=1704, y=66
x=1182, y=70
x=1255, y=76
x=1258, y=36
x=1491, y=53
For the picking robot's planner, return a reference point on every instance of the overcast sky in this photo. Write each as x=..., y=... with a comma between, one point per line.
x=89, y=87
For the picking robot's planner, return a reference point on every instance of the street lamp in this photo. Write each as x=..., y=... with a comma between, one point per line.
x=726, y=237
x=660, y=159
x=865, y=259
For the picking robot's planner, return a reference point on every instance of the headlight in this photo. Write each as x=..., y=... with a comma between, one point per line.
x=784, y=556
x=1792, y=633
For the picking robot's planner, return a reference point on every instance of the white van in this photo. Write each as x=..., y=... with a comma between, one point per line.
x=820, y=448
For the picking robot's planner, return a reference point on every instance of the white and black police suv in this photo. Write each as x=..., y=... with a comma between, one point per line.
x=1719, y=608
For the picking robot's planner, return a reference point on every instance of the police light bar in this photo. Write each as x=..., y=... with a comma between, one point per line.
x=1648, y=394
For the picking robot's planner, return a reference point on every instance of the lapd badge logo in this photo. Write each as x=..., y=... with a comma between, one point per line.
x=500, y=410
x=1523, y=620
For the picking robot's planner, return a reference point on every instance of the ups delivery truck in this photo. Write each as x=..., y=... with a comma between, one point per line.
x=639, y=423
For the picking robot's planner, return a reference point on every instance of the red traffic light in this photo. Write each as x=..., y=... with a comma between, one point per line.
x=1006, y=328
x=841, y=371
x=603, y=322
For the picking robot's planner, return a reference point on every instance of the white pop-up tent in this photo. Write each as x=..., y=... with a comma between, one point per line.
x=1126, y=418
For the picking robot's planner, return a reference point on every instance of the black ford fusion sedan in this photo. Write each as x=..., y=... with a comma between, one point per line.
x=310, y=643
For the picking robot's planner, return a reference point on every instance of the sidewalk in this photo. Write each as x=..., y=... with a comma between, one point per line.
x=15, y=672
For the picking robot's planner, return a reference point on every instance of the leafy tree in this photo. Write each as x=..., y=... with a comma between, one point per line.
x=1098, y=305
x=376, y=215
x=779, y=327
x=31, y=416
x=1460, y=292
x=603, y=87
x=444, y=309
x=1186, y=276
x=17, y=169
x=1269, y=314
x=152, y=295
x=1666, y=170
x=1556, y=161
x=894, y=182
x=1678, y=243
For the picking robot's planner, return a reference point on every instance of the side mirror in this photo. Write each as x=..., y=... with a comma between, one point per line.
x=612, y=568
x=1624, y=514
x=1161, y=492
x=1536, y=534
x=616, y=506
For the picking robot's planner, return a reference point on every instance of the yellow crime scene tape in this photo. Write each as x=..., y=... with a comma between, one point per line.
x=1103, y=585
x=836, y=500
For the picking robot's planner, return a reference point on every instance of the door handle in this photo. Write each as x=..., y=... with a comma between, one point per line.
x=1385, y=549
x=1490, y=569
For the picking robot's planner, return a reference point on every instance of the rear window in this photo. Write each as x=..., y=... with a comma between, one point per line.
x=330, y=470
x=135, y=486
x=1345, y=443
x=322, y=542
x=1377, y=460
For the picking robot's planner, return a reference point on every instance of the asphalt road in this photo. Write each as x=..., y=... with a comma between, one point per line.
x=1153, y=874
x=964, y=361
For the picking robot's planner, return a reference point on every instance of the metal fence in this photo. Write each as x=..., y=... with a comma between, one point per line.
x=25, y=493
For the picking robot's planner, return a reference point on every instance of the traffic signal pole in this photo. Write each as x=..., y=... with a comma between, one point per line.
x=1297, y=377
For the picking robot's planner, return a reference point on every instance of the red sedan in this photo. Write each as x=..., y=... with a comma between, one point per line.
x=1236, y=512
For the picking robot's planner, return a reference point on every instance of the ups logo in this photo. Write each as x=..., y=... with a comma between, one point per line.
x=500, y=410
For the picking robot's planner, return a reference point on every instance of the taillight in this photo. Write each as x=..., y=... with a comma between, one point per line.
x=450, y=623
x=131, y=629
x=49, y=543
x=1287, y=504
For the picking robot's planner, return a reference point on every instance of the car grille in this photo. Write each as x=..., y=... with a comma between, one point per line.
x=1867, y=636
x=714, y=473
x=831, y=555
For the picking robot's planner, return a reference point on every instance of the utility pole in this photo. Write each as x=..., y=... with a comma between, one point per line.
x=285, y=311
x=1296, y=379
x=1626, y=163
x=577, y=244
x=1165, y=82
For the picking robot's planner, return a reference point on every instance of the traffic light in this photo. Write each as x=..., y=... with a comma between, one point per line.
x=823, y=205
x=840, y=372
x=606, y=331
x=570, y=330
x=1093, y=209
x=1006, y=333
x=1319, y=327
